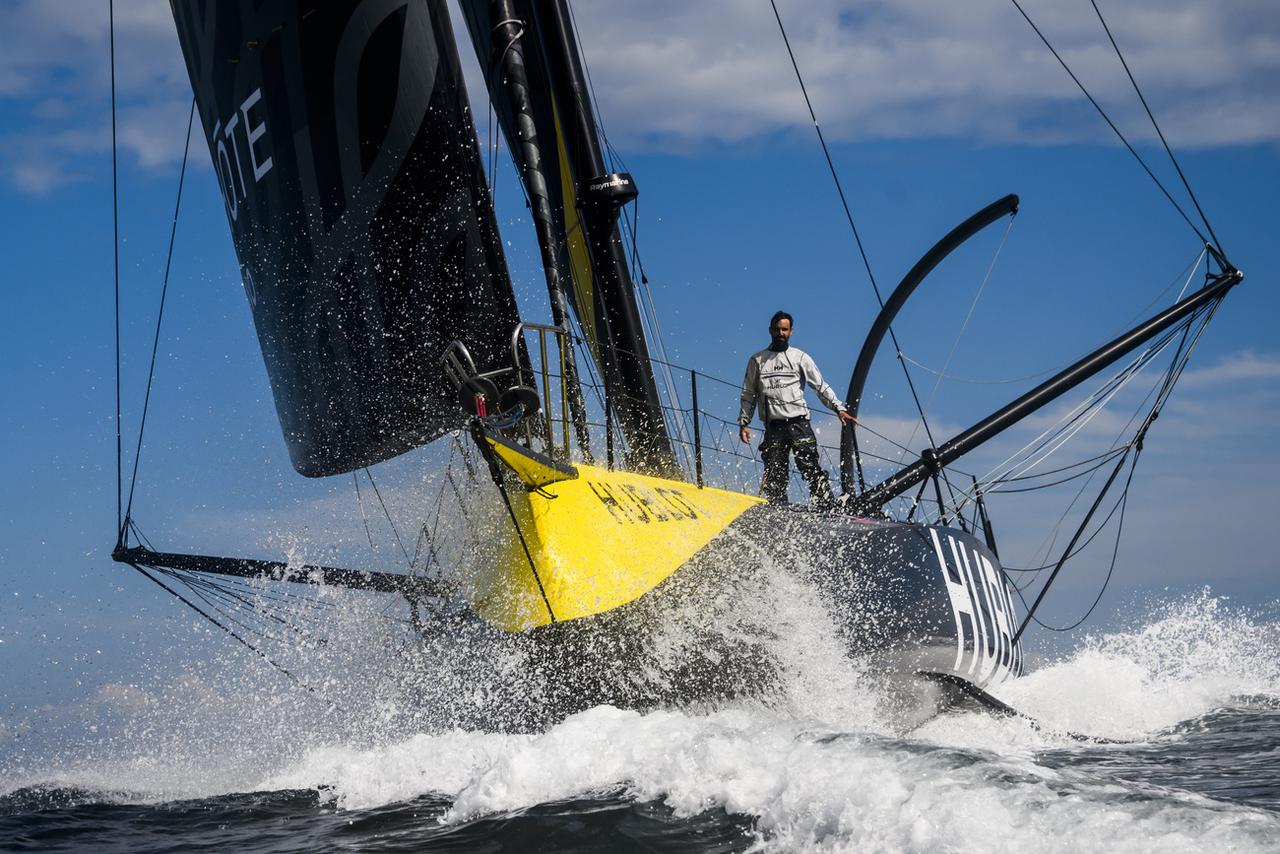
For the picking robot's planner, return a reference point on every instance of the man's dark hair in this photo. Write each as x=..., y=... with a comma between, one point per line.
x=780, y=315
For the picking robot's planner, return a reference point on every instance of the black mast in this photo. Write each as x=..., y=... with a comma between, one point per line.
x=509, y=53
x=584, y=203
x=627, y=370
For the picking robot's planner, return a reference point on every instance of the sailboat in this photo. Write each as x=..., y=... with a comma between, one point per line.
x=358, y=203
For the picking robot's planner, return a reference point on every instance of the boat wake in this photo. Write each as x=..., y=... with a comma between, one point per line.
x=820, y=764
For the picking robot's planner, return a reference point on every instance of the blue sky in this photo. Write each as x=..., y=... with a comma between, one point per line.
x=932, y=113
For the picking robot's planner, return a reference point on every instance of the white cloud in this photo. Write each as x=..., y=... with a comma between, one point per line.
x=64, y=47
x=675, y=74
x=1238, y=367
x=55, y=72
x=691, y=72
x=36, y=176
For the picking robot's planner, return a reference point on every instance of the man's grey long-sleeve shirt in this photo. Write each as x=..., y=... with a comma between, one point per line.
x=776, y=380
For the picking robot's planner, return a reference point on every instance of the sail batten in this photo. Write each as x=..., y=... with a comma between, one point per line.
x=343, y=144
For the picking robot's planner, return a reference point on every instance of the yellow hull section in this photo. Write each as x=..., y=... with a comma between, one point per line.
x=597, y=538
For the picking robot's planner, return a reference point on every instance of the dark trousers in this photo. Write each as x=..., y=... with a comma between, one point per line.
x=780, y=439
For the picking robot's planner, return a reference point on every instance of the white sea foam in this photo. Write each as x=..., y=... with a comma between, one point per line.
x=961, y=782
x=1193, y=655
x=805, y=787
x=1188, y=658
x=819, y=767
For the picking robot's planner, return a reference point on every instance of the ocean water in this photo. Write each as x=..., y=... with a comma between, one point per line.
x=1164, y=736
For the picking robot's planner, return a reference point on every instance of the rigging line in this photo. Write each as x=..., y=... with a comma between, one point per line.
x=491, y=156
x=631, y=229
x=115, y=248
x=417, y=545
x=1054, y=438
x=465, y=456
x=1077, y=417
x=488, y=135
x=648, y=308
x=1058, y=441
x=1188, y=273
x=866, y=262
x=1092, y=401
x=253, y=599
x=849, y=215
x=597, y=387
x=133, y=526
x=911, y=385
x=164, y=291
x=1110, y=123
x=650, y=317
x=1051, y=539
x=1075, y=552
x=1062, y=561
x=1156, y=125
x=432, y=557
x=533, y=567
x=387, y=513
x=240, y=640
x=970, y=380
x=491, y=81
x=1098, y=463
x=723, y=423
x=1174, y=371
x=241, y=588
x=1171, y=377
x=457, y=494
x=1186, y=276
x=246, y=598
x=616, y=160
x=1095, y=401
x=223, y=607
x=355, y=479
x=1106, y=582
x=821, y=139
x=1160, y=392
x=964, y=325
x=597, y=113
x=1105, y=455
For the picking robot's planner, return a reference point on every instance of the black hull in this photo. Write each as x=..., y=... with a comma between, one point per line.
x=924, y=611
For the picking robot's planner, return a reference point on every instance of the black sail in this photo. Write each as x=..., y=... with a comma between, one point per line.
x=348, y=161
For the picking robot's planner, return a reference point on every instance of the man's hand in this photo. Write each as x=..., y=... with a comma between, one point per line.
x=846, y=418
x=745, y=434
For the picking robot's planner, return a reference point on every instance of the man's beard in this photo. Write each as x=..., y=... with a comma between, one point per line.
x=779, y=344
